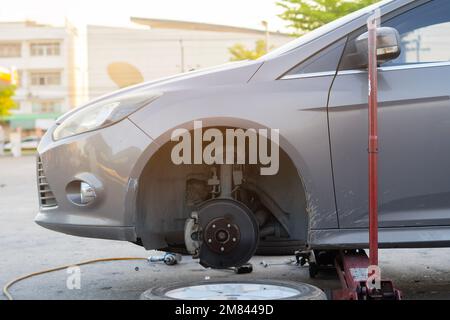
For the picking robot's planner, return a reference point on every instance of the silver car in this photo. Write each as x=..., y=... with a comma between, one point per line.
x=106, y=170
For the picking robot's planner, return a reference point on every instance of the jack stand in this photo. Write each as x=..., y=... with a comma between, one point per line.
x=352, y=267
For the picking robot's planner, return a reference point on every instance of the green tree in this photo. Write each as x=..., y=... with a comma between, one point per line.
x=240, y=52
x=307, y=15
x=6, y=101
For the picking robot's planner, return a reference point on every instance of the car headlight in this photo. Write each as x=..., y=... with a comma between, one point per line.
x=102, y=114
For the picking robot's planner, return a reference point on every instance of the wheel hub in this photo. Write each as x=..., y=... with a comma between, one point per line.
x=229, y=234
x=221, y=235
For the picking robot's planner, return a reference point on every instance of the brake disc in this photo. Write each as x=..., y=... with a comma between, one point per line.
x=229, y=234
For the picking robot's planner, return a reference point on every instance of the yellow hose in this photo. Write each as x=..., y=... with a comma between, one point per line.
x=9, y=284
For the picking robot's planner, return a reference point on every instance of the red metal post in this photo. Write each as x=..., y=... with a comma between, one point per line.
x=352, y=266
x=373, y=143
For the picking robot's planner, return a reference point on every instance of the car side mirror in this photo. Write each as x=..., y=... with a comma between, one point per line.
x=388, y=46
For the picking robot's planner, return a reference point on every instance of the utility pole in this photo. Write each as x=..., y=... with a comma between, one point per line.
x=182, y=56
x=418, y=47
x=266, y=27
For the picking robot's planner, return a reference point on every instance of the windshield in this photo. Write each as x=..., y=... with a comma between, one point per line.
x=322, y=30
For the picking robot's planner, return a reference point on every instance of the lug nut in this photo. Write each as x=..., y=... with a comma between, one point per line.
x=234, y=239
x=222, y=248
x=229, y=225
x=213, y=225
x=209, y=240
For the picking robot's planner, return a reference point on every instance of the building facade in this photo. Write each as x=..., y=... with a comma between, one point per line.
x=118, y=57
x=62, y=67
x=46, y=62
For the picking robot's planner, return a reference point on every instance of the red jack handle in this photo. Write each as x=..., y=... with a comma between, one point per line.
x=373, y=142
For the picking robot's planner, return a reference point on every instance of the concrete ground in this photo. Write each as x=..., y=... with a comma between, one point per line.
x=26, y=247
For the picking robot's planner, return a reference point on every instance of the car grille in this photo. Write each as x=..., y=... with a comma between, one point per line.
x=46, y=197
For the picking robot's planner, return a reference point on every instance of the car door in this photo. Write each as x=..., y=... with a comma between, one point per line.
x=414, y=125
x=305, y=90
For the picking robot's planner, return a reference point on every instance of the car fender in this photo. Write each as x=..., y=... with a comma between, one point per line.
x=241, y=106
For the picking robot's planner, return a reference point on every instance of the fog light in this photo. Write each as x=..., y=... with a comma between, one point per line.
x=81, y=193
x=87, y=193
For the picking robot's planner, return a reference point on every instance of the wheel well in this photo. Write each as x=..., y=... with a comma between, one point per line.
x=168, y=193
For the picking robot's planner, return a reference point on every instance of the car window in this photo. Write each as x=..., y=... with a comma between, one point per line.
x=323, y=61
x=424, y=33
x=327, y=28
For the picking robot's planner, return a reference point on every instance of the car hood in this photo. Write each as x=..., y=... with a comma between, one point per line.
x=229, y=73
x=226, y=74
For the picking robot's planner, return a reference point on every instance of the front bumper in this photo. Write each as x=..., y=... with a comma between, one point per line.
x=105, y=159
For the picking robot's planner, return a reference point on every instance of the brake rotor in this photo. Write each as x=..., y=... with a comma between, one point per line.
x=229, y=234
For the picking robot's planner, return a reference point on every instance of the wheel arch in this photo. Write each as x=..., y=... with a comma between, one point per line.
x=158, y=143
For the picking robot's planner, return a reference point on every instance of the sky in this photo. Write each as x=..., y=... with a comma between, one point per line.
x=242, y=13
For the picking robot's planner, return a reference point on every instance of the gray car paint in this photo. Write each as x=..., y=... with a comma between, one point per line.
x=246, y=94
x=103, y=159
x=414, y=154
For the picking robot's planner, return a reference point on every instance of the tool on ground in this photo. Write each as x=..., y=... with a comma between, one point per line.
x=266, y=264
x=245, y=268
x=168, y=258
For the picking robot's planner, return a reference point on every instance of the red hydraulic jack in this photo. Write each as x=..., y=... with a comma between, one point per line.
x=359, y=274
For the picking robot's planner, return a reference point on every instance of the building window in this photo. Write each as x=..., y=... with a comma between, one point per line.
x=10, y=50
x=45, y=49
x=46, y=106
x=45, y=78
